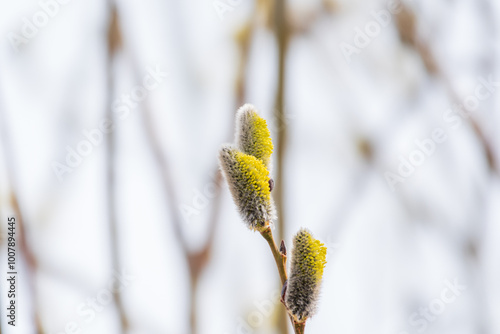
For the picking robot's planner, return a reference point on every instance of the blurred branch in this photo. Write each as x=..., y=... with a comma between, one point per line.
x=281, y=35
x=114, y=42
x=243, y=39
x=281, y=39
x=353, y=191
x=24, y=248
x=197, y=260
x=406, y=23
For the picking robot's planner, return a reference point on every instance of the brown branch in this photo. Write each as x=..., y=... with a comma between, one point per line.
x=196, y=260
x=114, y=43
x=280, y=143
x=279, y=257
x=30, y=258
x=25, y=250
x=406, y=23
x=469, y=245
x=243, y=39
x=281, y=35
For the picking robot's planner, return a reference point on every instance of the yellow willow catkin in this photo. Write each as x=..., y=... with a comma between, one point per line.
x=248, y=180
x=252, y=135
x=306, y=273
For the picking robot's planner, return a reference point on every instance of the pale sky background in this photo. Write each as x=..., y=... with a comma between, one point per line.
x=389, y=252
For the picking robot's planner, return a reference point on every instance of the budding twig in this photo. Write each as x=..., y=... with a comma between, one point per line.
x=280, y=259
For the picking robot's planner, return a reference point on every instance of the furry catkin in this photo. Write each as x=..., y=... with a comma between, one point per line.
x=248, y=180
x=308, y=261
x=252, y=135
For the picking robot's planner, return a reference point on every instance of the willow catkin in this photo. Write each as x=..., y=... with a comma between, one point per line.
x=306, y=273
x=248, y=180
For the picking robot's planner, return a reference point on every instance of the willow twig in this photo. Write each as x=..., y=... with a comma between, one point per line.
x=24, y=248
x=280, y=30
x=407, y=29
x=408, y=34
x=114, y=43
x=280, y=259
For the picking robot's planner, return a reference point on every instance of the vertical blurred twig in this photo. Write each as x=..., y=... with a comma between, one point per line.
x=280, y=29
x=24, y=248
x=243, y=40
x=281, y=39
x=407, y=23
x=114, y=43
x=197, y=260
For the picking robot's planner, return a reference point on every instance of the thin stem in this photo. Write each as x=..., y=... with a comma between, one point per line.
x=279, y=113
x=25, y=248
x=193, y=319
x=280, y=30
x=279, y=258
x=299, y=327
x=114, y=43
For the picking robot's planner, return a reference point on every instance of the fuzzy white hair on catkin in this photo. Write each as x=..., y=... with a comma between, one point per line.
x=254, y=211
x=242, y=124
x=243, y=127
x=303, y=290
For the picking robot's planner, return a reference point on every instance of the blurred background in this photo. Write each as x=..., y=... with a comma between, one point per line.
x=384, y=116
